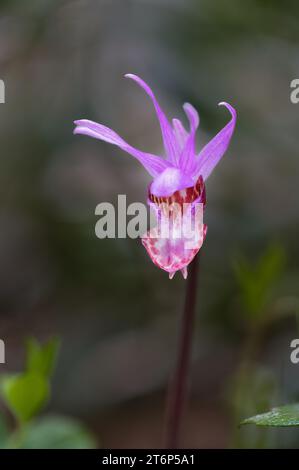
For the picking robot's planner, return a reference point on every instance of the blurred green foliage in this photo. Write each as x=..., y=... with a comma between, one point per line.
x=255, y=387
x=50, y=432
x=253, y=391
x=26, y=393
x=41, y=358
x=257, y=282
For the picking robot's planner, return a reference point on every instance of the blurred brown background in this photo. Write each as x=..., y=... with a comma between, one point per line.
x=115, y=312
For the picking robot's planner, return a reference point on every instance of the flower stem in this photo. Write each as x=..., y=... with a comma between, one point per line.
x=178, y=385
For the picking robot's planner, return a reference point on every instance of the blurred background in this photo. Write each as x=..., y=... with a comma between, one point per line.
x=115, y=313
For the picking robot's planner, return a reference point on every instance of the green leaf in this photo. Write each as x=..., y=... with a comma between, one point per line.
x=287, y=415
x=25, y=394
x=41, y=358
x=57, y=432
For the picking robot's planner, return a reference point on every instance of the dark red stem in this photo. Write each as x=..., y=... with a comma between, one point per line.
x=179, y=384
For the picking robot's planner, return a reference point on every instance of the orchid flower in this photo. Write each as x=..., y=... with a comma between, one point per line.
x=179, y=177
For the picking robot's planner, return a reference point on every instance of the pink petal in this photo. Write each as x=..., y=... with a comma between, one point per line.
x=169, y=141
x=170, y=181
x=215, y=149
x=187, y=158
x=192, y=115
x=152, y=163
x=171, y=254
x=180, y=133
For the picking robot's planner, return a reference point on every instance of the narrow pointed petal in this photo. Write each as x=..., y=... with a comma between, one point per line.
x=187, y=158
x=180, y=133
x=171, y=274
x=192, y=115
x=166, y=129
x=212, y=153
x=152, y=163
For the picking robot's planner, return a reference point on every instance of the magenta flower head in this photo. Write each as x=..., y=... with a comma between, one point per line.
x=178, y=178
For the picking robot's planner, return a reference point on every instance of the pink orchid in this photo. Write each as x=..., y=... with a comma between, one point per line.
x=178, y=178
